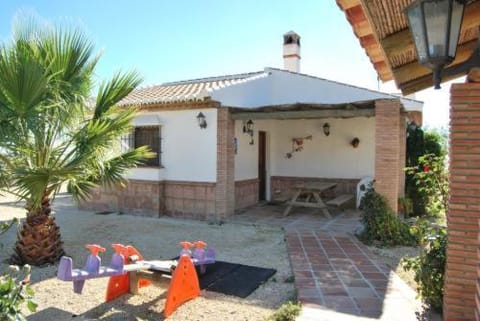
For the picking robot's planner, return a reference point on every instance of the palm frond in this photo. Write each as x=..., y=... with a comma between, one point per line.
x=115, y=90
x=50, y=130
x=81, y=189
x=23, y=81
x=116, y=168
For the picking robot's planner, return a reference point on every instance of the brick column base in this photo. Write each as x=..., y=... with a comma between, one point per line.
x=464, y=204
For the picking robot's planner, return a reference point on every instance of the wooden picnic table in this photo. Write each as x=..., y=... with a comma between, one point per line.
x=313, y=193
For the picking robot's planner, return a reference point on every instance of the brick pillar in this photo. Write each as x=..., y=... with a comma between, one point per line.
x=464, y=203
x=389, y=150
x=477, y=296
x=402, y=141
x=225, y=188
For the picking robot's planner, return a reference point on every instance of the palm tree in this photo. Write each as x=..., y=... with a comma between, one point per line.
x=52, y=133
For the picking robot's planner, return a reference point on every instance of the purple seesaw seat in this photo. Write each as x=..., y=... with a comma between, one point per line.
x=91, y=270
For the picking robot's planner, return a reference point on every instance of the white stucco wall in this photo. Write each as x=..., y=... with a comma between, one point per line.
x=323, y=156
x=188, y=152
x=252, y=93
x=288, y=88
x=246, y=158
x=279, y=87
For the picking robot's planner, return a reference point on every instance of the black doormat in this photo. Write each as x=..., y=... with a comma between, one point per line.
x=234, y=279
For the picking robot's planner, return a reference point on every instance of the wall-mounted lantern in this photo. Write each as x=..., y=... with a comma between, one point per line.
x=202, y=121
x=249, y=126
x=435, y=27
x=235, y=145
x=248, y=129
x=326, y=129
x=355, y=142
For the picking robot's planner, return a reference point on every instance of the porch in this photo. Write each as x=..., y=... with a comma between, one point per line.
x=279, y=147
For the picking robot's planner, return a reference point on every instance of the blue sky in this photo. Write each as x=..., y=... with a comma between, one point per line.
x=178, y=40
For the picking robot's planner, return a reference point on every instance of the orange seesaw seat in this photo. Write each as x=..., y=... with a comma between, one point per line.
x=120, y=284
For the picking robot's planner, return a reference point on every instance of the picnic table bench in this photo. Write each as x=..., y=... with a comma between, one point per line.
x=313, y=192
x=340, y=200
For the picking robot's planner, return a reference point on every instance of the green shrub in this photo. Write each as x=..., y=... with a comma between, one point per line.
x=287, y=312
x=429, y=268
x=14, y=291
x=405, y=206
x=381, y=225
x=426, y=173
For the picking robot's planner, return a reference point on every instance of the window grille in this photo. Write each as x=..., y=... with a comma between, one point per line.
x=144, y=136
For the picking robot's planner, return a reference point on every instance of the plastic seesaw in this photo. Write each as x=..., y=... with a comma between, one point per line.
x=200, y=256
x=128, y=271
x=92, y=269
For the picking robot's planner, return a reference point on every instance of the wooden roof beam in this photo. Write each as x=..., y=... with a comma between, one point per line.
x=424, y=82
x=306, y=114
x=414, y=70
x=381, y=52
x=362, y=29
x=368, y=41
x=402, y=41
x=347, y=4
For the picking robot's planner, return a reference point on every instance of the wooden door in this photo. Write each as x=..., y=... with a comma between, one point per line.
x=262, y=168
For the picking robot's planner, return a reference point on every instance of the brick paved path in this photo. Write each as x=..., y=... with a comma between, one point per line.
x=337, y=277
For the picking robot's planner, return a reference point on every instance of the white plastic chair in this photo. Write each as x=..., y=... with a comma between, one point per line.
x=362, y=187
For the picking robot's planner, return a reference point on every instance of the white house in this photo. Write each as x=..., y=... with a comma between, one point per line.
x=226, y=142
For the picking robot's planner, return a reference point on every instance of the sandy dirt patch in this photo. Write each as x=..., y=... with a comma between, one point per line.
x=156, y=238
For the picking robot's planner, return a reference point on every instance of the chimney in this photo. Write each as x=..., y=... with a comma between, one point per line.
x=291, y=52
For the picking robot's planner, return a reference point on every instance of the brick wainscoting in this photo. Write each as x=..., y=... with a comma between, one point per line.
x=173, y=198
x=137, y=198
x=189, y=200
x=246, y=193
x=281, y=186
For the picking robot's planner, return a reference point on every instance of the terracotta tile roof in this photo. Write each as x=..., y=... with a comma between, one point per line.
x=188, y=90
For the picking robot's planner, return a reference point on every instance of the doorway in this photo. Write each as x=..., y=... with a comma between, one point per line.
x=262, y=167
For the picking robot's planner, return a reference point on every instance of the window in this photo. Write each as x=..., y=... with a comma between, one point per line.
x=145, y=136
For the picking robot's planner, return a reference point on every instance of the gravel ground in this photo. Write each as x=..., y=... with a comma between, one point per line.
x=155, y=238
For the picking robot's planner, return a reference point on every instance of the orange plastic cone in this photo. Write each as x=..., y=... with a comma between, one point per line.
x=184, y=285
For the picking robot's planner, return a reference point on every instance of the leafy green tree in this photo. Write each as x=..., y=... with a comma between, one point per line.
x=415, y=144
x=435, y=143
x=431, y=179
x=52, y=133
x=426, y=173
